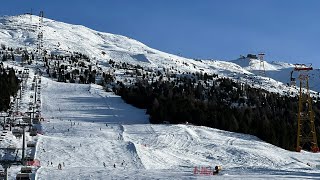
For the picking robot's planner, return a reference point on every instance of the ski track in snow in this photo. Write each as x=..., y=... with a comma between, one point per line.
x=147, y=151
x=86, y=127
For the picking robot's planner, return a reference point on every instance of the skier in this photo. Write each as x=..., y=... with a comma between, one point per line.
x=104, y=164
x=114, y=165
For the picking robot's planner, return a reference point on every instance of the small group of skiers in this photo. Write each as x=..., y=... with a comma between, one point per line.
x=120, y=137
x=114, y=165
x=59, y=165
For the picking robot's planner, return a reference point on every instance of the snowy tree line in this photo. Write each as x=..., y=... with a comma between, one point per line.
x=225, y=105
x=179, y=97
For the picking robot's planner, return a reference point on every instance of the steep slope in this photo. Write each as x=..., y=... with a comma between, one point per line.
x=62, y=38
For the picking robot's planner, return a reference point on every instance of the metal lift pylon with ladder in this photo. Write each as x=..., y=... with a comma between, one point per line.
x=306, y=133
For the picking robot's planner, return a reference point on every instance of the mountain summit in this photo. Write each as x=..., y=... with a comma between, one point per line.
x=62, y=38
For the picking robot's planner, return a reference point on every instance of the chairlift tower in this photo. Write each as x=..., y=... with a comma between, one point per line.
x=40, y=36
x=262, y=70
x=306, y=134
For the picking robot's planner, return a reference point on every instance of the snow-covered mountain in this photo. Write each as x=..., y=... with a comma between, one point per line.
x=63, y=38
x=95, y=135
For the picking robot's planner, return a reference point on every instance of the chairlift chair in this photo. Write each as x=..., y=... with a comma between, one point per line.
x=17, y=132
x=23, y=176
x=31, y=144
x=33, y=132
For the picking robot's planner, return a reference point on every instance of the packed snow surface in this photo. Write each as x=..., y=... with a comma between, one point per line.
x=95, y=135
x=91, y=131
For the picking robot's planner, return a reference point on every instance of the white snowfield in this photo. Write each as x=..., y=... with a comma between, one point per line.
x=95, y=135
x=89, y=131
x=63, y=38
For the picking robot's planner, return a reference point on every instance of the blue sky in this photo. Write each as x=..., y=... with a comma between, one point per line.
x=285, y=30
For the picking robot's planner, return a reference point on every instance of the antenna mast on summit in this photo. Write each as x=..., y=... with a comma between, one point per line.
x=262, y=70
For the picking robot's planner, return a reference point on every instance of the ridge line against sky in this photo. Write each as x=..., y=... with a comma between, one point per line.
x=208, y=29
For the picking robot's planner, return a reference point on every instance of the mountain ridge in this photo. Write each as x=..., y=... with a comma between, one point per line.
x=61, y=38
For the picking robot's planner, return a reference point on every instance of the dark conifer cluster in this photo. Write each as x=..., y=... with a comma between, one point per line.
x=177, y=97
x=9, y=85
x=225, y=105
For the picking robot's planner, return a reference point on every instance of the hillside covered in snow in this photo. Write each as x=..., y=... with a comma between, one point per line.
x=92, y=133
x=61, y=38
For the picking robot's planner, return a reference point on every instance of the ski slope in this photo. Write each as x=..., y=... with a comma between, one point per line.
x=76, y=134
x=89, y=131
